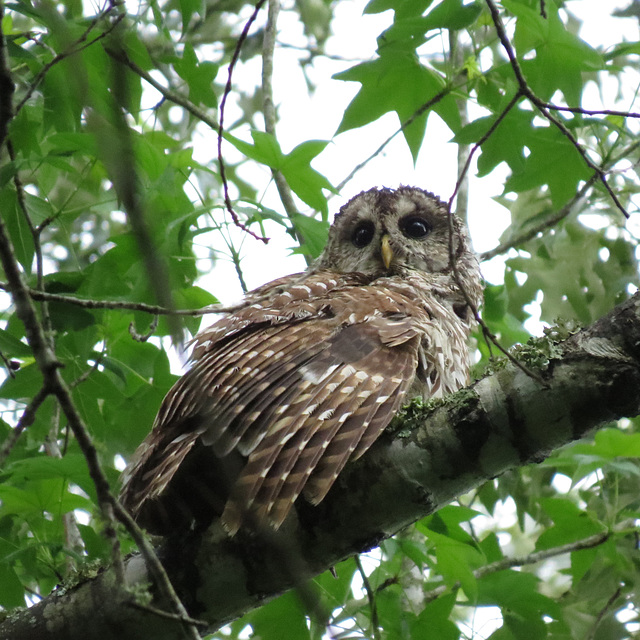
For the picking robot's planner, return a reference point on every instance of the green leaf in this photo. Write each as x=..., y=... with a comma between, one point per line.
x=314, y=233
x=283, y=617
x=570, y=523
x=198, y=75
x=50, y=496
x=446, y=521
x=456, y=563
x=452, y=14
x=265, y=148
x=187, y=9
x=506, y=143
x=456, y=551
x=434, y=622
x=561, y=56
x=396, y=81
x=554, y=161
x=517, y=592
x=23, y=385
x=18, y=229
x=12, y=592
x=69, y=468
x=337, y=589
x=305, y=181
x=610, y=443
x=12, y=347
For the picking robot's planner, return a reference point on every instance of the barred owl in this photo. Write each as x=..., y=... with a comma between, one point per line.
x=309, y=371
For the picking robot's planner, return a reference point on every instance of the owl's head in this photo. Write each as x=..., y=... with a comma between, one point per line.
x=387, y=231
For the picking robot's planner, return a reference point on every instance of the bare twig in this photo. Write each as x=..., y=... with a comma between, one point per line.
x=84, y=376
x=591, y=112
x=153, y=309
x=143, y=337
x=168, y=615
x=480, y=142
x=223, y=102
x=120, y=160
x=26, y=420
x=602, y=613
x=269, y=112
x=37, y=245
x=235, y=258
x=552, y=220
x=489, y=336
x=170, y=95
x=547, y=223
x=8, y=364
x=538, y=556
x=73, y=539
x=371, y=596
x=456, y=58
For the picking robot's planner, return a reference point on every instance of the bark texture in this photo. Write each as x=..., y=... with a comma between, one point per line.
x=505, y=420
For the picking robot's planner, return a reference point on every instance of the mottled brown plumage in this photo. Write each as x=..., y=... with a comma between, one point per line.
x=304, y=377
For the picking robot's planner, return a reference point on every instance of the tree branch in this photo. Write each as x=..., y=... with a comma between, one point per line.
x=503, y=421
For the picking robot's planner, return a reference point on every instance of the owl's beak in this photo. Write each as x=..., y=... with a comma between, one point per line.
x=386, y=251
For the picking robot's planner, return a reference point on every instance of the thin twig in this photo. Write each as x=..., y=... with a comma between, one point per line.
x=591, y=112
x=456, y=60
x=547, y=223
x=552, y=220
x=223, y=102
x=371, y=596
x=26, y=420
x=168, y=615
x=73, y=539
x=84, y=376
x=269, y=113
x=8, y=365
x=143, y=337
x=602, y=613
x=483, y=139
x=153, y=309
x=489, y=336
x=120, y=158
x=235, y=259
x=172, y=96
x=538, y=556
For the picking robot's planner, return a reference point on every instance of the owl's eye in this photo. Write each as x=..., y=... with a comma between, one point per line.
x=363, y=234
x=414, y=227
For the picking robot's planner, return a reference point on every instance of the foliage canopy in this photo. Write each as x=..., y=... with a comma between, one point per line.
x=113, y=199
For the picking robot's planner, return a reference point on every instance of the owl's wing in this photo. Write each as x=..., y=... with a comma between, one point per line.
x=296, y=386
